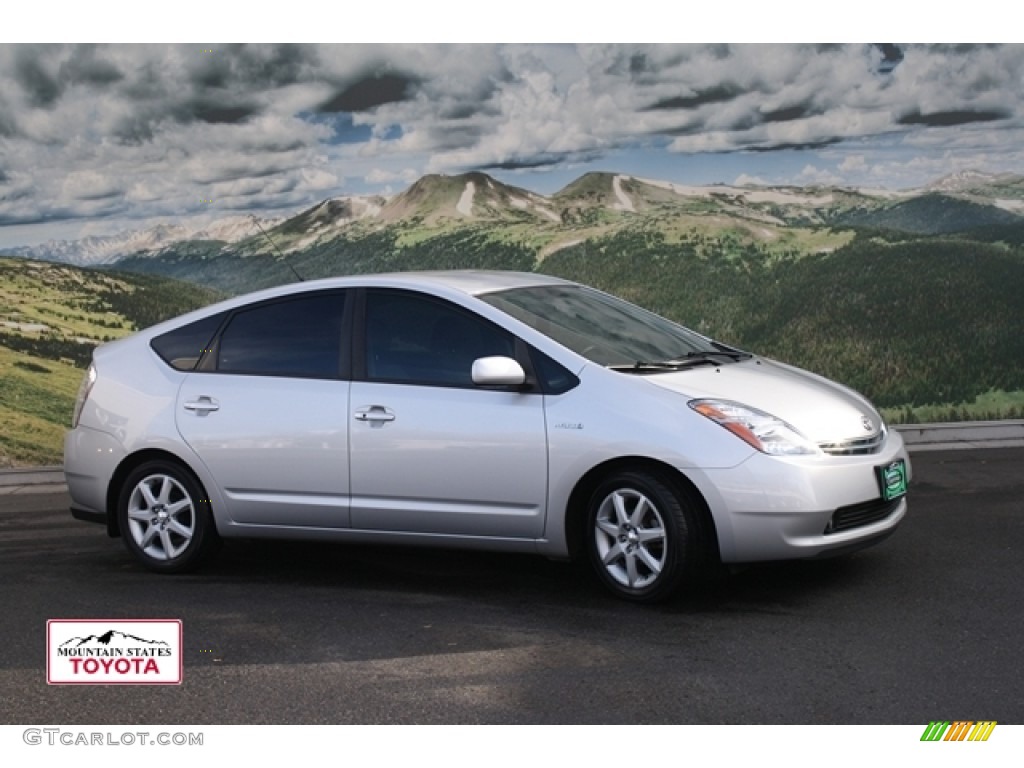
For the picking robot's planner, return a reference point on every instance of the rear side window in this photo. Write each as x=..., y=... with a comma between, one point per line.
x=182, y=347
x=298, y=337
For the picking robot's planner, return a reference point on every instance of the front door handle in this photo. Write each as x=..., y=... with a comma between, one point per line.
x=202, y=405
x=375, y=414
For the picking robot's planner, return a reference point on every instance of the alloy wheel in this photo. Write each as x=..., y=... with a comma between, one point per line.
x=631, y=540
x=161, y=517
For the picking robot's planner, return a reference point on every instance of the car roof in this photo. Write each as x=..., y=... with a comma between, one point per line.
x=473, y=282
x=468, y=282
x=476, y=281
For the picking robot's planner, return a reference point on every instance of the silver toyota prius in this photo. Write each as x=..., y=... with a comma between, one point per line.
x=493, y=410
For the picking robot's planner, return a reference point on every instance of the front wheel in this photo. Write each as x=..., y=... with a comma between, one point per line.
x=643, y=536
x=165, y=518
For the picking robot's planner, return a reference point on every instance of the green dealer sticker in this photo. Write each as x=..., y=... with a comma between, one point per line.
x=893, y=479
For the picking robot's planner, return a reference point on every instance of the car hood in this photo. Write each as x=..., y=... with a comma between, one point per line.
x=822, y=410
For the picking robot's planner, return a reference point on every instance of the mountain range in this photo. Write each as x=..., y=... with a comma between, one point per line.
x=595, y=205
x=913, y=298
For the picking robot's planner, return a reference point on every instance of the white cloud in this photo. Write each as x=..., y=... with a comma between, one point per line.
x=145, y=130
x=89, y=185
x=813, y=175
x=853, y=164
x=382, y=176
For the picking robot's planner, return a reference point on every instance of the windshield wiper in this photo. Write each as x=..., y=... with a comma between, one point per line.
x=697, y=357
x=706, y=354
x=724, y=349
x=646, y=366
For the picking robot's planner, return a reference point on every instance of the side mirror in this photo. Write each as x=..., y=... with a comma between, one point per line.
x=498, y=372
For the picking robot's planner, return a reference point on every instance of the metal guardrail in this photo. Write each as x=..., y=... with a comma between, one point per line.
x=32, y=476
x=918, y=437
x=963, y=434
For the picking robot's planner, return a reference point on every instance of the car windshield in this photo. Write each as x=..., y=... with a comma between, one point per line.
x=602, y=328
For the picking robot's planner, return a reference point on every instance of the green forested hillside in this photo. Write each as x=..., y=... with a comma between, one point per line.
x=910, y=320
x=51, y=318
x=928, y=326
x=932, y=214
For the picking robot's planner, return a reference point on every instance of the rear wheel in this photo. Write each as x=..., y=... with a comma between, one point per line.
x=643, y=536
x=165, y=518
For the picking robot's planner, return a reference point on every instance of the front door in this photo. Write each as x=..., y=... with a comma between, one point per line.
x=429, y=451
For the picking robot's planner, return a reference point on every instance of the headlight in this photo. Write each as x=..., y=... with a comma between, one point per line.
x=756, y=428
x=83, y=392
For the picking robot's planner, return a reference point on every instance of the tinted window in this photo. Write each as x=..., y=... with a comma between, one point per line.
x=601, y=328
x=182, y=347
x=295, y=337
x=415, y=339
x=554, y=378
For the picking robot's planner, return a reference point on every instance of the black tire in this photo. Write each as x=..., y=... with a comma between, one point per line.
x=643, y=536
x=165, y=518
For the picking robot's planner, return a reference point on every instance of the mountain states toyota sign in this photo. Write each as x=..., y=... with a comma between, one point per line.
x=113, y=651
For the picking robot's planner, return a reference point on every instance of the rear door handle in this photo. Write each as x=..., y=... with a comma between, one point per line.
x=376, y=414
x=202, y=405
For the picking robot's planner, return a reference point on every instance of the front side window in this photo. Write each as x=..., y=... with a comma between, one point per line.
x=415, y=339
x=298, y=337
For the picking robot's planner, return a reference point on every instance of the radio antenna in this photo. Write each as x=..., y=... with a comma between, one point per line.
x=274, y=245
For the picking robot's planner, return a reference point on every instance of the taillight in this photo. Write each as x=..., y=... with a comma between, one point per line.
x=83, y=393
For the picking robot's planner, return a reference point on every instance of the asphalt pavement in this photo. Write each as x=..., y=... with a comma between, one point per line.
x=927, y=625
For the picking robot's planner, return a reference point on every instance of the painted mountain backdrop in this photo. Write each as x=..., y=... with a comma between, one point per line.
x=915, y=298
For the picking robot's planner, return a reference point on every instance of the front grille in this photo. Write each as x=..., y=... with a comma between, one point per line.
x=856, y=515
x=856, y=446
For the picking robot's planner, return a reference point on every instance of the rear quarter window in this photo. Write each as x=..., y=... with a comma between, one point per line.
x=183, y=347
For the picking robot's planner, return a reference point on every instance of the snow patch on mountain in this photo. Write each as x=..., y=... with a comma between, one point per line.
x=98, y=250
x=683, y=190
x=886, y=194
x=465, y=204
x=776, y=196
x=961, y=180
x=549, y=213
x=523, y=204
x=1013, y=206
x=784, y=197
x=624, y=203
x=231, y=229
x=556, y=247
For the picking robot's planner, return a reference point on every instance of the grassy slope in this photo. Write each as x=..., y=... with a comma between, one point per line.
x=36, y=398
x=41, y=368
x=929, y=327
x=988, y=406
x=912, y=321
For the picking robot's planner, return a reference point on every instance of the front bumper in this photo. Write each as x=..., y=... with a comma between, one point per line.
x=771, y=508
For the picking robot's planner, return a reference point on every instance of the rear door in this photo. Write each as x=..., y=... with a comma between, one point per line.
x=267, y=412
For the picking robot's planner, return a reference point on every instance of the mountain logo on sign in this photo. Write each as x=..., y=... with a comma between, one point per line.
x=107, y=638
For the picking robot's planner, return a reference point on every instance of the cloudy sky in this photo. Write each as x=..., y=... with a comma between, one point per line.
x=98, y=138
